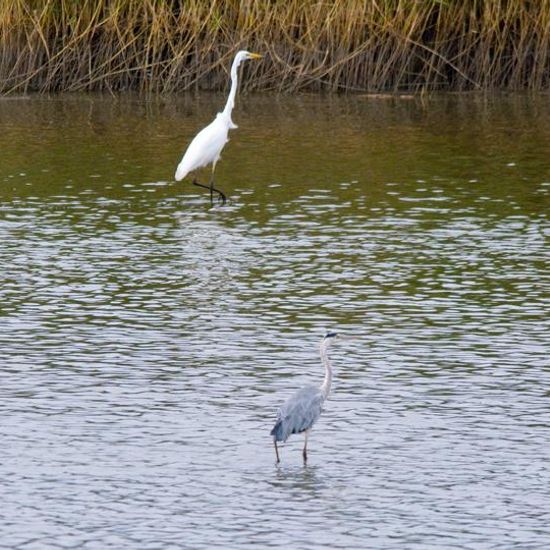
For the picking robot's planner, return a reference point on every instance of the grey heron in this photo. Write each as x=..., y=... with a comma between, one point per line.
x=301, y=410
x=207, y=145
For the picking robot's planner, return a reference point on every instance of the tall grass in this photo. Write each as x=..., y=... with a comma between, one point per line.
x=354, y=45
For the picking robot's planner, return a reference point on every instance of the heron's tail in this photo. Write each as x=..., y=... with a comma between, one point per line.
x=278, y=432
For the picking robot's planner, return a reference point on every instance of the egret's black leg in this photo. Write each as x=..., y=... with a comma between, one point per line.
x=304, y=452
x=195, y=182
x=276, y=451
x=211, y=183
x=222, y=196
x=211, y=188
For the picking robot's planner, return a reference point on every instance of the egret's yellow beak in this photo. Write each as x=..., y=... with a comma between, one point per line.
x=255, y=56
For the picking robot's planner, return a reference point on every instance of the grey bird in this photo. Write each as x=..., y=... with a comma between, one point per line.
x=301, y=410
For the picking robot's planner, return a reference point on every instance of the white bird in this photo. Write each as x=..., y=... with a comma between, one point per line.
x=207, y=145
x=300, y=411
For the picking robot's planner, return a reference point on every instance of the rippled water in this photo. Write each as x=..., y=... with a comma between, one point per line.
x=147, y=340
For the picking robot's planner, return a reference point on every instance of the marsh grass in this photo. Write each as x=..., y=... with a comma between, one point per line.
x=352, y=45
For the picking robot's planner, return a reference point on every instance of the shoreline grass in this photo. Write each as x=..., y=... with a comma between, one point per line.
x=155, y=46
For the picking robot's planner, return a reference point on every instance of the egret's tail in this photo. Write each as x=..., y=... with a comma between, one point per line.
x=181, y=172
x=277, y=432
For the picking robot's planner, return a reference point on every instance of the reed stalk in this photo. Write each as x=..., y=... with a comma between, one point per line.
x=309, y=45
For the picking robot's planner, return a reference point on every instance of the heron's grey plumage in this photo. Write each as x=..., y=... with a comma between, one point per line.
x=301, y=411
x=298, y=413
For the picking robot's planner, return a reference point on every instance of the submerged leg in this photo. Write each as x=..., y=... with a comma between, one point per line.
x=276, y=451
x=211, y=188
x=304, y=452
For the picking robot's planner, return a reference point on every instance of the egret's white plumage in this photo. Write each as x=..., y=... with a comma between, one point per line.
x=205, y=148
x=207, y=145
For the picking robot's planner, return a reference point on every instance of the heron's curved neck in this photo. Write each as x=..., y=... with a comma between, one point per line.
x=325, y=386
x=233, y=91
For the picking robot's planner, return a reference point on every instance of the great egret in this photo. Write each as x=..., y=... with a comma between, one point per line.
x=301, y=411
x=208, y=143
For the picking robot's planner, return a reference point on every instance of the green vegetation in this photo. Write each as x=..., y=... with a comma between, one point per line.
x=338, y=45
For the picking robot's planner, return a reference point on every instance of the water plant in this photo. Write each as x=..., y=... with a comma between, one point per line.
x=338, y=45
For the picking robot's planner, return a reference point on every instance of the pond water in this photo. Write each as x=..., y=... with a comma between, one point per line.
x=147, y=339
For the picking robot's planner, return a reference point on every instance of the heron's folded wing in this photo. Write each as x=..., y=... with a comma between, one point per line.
x=300, y=412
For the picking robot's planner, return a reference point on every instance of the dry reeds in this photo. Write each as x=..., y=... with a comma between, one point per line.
x=338, y=45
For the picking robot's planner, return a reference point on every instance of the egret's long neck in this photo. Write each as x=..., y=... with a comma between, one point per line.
x=233, y=91
x=325, y=386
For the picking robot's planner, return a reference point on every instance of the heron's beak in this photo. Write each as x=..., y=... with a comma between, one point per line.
x=255, y=56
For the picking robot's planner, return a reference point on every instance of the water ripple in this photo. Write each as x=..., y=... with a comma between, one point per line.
x=148, y=339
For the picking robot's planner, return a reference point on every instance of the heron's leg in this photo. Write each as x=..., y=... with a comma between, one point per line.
x=304, y=452
x=276, y=451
